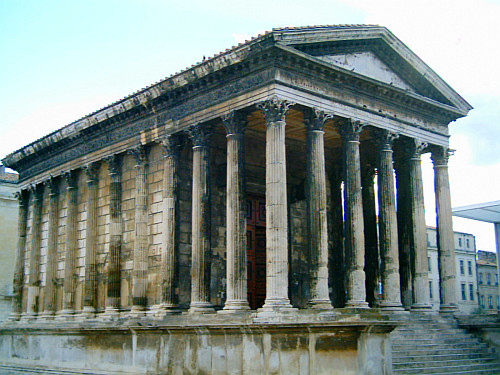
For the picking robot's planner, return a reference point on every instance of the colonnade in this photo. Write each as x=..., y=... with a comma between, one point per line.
x=401, y=225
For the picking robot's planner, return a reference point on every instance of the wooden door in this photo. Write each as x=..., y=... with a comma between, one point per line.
x=256, y=251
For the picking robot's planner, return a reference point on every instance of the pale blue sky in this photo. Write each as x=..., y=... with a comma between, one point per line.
x=61, y=60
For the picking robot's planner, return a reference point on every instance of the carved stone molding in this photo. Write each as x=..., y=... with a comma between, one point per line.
x=114, y=164
x=139, y=154
x=53, y=184
x=91, y=171
x=234, y=122
x=70, y=177
x=22, y=197
x=415, y=148
x=315, y=119
x=274, y=109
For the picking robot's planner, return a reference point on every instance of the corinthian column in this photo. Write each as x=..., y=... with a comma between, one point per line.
x=387, y=223
x=17, y=296
x=276, y=205
x=69, y=285
x=372, y=266
x=317, y=224
x=236, y=224
x=171, y=149
x=353, y=212
x=446, y=241
x=405, y=239
x=90, y=292
x=115, y=238
x=34, y=276
x=201, y=250
x=139, y=274
x=419, y=263
x=51, y=267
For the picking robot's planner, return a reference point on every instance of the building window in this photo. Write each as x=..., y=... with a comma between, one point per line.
x=462, y=267
x=480, y=280
x=488, y=279
x=481, y=301
x=429, y=263
x=430, y=289
x=460, y=242
x=464, y=297
x=496, y=279
x=471, y=292
x=490, y=302
x=498, y=303
x=469, y=266
x=467, y=243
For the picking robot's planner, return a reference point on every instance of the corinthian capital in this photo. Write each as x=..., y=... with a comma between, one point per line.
x=274, y=109
x=315, y=119
x=91, y=170
x=22, y=197
x=70, y=177
x=200, y=134
x=415, y=147
x=440, y=155
x=234, y=122
x=384, y=139
x=172, y=145
x=114, y=164
x=351, y=130
x=139, y=154
x=53, y=184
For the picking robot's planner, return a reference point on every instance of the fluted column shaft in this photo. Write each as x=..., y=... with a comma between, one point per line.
x=17, y=297
x=34, y=276
x=419, y=262
x=139, y=273
x=51, y=264
x=388, y=231
x=405, y=238
x=201, y=244
x=115, y=236
x=372, y=264
x=317, y=223
x=70, y=275
x=90, y=292
x=276, y=206
x=446, y=240
x=171, y=147
x=236, y=224
x=353, y=212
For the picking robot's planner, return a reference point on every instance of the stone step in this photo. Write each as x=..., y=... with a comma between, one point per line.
x=36, y=370
x=434, y=346
x=436, y=351
x=443, y=363
x=443, y=357
x=493, y=368
x=442, y=340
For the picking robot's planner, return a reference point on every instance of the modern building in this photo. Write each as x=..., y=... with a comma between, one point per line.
x=198, y=224
x=465, y=256
x=8, y=238
x=487, y=279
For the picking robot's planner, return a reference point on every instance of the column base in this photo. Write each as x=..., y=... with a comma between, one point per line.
x=391, y=306
x=448, y=309
x=320, y=304
x=68, y=314
x=235, y=306
x=276, y=305
x=421, y=308
x=162, y=310
x=137, y=311
x=46, y=315
x=110, y=313
x=357, y=305
x=87, y=313
x=201, y=308
x=14, y=317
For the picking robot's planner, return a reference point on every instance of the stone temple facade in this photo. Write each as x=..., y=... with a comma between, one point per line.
x=231, y=208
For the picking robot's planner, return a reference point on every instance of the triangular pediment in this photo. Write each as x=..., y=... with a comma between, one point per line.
x=373, y=52
x=369, y=65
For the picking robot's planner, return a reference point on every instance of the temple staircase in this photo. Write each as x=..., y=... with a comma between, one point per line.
x=429, y=344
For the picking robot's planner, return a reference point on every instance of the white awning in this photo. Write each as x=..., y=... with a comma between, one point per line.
x=488, y=212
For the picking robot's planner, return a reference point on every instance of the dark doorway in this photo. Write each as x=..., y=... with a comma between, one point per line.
x=256, y=251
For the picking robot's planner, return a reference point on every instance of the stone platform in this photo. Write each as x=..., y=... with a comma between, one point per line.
x=300, y=342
